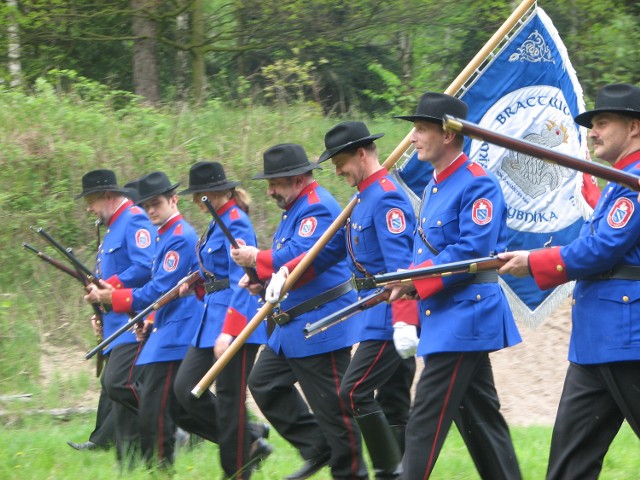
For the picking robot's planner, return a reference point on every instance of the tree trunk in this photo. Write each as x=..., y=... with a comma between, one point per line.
x=145, y=65
x=182, y=58
x=197, y=59
x=13, y=40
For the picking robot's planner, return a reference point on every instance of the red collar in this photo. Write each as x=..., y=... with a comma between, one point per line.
x=305, y=191
x=119, y=211
x=169, y=224
x=447, y=172
x=371, y=179
x=626, y=161
x=224, y=208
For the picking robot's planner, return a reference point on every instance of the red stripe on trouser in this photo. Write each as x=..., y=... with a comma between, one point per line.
x=346, y=417
x=163, y=408
x=242, y=412
x=364, y=377
x=447, y=397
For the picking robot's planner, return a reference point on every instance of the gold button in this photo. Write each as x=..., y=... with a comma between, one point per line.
x=419, y=250
x=359, y=297
x=127, y=300
x=435, y=190
x=358, y=200
x=155, y=330
x=229, y=311
x=424, y=220
x=438, y=223
x=573, y=301
x=427, y=313
x=284, y=217
x=478, y=297
x=559, y=268
x=625, y=298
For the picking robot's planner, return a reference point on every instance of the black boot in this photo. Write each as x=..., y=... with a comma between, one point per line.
x=382, y=445
x=398, y=432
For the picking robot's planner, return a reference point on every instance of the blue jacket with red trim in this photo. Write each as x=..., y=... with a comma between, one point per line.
x=606, y=312
x=227, y=310
x=462, y=217
x=174, y=324
x=302, y=224
x=124, y=260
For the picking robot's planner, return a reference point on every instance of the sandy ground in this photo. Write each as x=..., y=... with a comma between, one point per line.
x=528, y=376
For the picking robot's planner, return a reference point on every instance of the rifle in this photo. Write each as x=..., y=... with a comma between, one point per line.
x=543, y=153
x=404, y=276
x=159, y=303
x=379, y=296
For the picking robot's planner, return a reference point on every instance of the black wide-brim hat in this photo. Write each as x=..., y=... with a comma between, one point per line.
x=285, y=160
x=433, y=106
x=132, y=191
x=208, y=177
x=346, y=135
x=99, y=181
x=621, y=98
x=152, y=185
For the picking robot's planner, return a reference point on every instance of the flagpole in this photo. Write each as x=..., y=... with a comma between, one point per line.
x=391, y=160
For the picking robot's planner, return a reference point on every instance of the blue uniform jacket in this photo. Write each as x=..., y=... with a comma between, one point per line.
x=174, y=324
x=462, y=216
x=302, y=224
x=605, y=313
x=124, y=260
x=227, y=310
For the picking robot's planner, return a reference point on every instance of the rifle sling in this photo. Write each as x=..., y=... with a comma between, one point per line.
x=283, y=318
x=216, y=285
x=621, y=272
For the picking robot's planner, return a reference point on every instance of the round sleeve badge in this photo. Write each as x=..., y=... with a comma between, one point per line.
x=620, y=213
x=482, y=211
x=395, y=221
x=171, y=260
x=307, y=226
x=143, y=238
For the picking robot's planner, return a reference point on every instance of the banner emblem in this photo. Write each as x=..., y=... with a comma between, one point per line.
x=395, y=221
x=307, y=227
x=143, y=238
x=482, y=211
x=171, y=260
x=620, y=213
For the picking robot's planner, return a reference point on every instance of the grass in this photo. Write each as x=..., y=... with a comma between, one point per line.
x=35, y=447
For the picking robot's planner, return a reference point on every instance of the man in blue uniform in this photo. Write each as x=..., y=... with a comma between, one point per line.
x=173, y=325
x=602, y=385
x=329, y=434
x=462, y=317
x=123, y=261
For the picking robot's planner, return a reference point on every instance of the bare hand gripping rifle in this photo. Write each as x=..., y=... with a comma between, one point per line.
x=543, y=153
x=404, y=276
x=139, y=318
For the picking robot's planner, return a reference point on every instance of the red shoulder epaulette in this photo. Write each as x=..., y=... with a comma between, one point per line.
x=476, y=169
x=387, y=185
x=312, y=197
x=233, y=214
x=178, y=230
x=135, y=209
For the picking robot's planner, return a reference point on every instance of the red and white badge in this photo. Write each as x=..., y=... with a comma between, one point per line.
x=143, y=238
x=482, y=211
x=171, y=260
x=620, y=213
x=307, y=227
x=395, y=221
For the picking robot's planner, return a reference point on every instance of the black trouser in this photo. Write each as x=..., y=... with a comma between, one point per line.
x=120, y=380
x=103, y=434
x=595, y=401
x=220, y=418
x=330, y=427
x=459, y=387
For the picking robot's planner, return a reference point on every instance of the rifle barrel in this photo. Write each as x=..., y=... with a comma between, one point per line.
x=596, y=169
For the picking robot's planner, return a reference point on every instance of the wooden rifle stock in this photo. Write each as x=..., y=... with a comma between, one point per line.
x=543, y=153
x=160, y=302
x=379, y=296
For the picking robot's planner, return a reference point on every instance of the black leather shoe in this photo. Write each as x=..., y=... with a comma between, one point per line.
x=83, y=446
x=309, y=467
x=260, y=450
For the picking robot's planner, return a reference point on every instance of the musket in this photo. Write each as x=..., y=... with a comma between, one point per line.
x=251, y=272
x=159, y=303
x=543, y=153
x=51, y=261
x=379, y=296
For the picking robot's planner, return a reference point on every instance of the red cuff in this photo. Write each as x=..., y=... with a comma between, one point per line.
x=430, y=285
x=151, y=317
x=264, y=264
x=406, y=311
x=115, y=282
x=234, y=322
x=122, y=299
x=548, y=268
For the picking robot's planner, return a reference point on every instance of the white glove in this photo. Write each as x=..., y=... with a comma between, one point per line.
x=405, y=339
x=272, y=294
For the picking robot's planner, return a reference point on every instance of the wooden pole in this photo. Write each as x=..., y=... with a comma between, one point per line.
x=391, y=160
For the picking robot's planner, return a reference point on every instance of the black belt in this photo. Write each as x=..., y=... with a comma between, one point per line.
x=283, y=318
x=215, y=285
x=622, y=272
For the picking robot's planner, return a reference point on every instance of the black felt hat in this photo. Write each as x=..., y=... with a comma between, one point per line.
x=346, y=135
x=208, y=177
x=433, y=106
x=285, y=160
x=99, y=181
x=132, y=190
x=152, y=185
x=621, y=98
